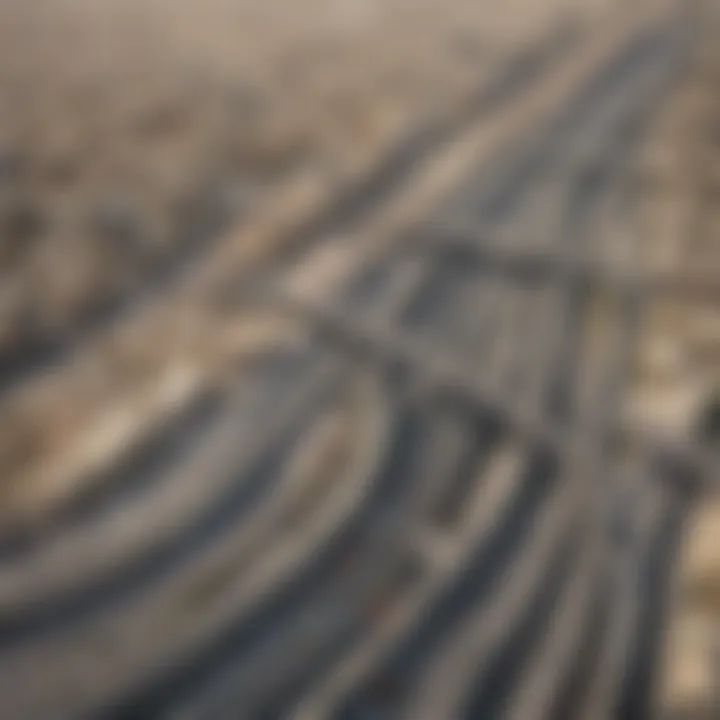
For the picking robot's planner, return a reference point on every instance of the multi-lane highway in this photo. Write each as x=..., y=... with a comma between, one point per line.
x=424, y=505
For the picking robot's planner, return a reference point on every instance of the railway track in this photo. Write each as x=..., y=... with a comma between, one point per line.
x=429, y=500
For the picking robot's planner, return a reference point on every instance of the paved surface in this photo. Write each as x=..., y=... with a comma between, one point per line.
x=422, y=494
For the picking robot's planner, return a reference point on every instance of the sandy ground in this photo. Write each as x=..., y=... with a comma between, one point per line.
x=124, y=122
x=679, y=366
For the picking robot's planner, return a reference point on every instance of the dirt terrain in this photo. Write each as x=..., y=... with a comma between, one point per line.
x=679, y=368
x=130, y=129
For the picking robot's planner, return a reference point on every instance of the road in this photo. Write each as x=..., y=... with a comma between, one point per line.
x=416, y=508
